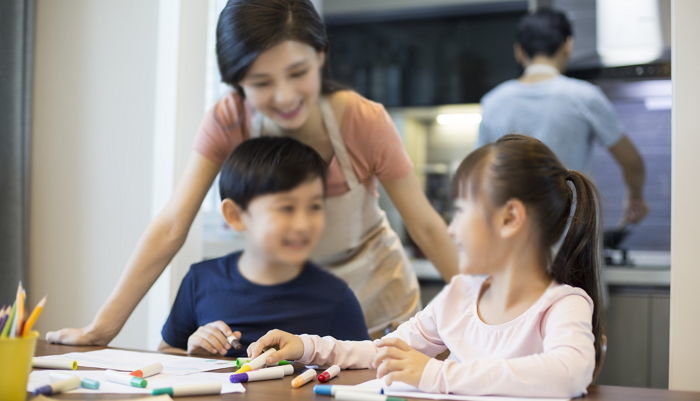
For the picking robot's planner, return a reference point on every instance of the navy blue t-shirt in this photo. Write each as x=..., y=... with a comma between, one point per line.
x=314, y=302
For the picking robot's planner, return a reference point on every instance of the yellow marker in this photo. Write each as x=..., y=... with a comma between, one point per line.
x=256, y=363
x=303, y=378
x=33, y=316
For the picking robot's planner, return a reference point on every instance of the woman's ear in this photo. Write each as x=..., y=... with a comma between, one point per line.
x=512, y=218
x=233, y=214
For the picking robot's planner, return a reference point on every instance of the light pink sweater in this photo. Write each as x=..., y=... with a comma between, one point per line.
x=548, y=351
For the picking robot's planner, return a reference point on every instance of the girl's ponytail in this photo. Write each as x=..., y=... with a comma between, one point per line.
x=577, y=263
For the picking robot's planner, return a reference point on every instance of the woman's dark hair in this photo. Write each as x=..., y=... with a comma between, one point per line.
x=523, y=168
x=247, y=28
x=267, y=165
x=543, y=32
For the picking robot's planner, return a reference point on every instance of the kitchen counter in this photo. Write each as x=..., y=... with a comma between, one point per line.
x=651, y=269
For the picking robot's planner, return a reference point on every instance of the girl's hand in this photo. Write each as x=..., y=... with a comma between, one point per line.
x=288, y=346
x=211, y=338
x=397, y=361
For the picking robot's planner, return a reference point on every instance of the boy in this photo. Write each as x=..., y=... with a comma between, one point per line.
x=273, y=189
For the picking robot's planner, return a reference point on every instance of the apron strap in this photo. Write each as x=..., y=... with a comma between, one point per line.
x=331, y=124
x=339, y=148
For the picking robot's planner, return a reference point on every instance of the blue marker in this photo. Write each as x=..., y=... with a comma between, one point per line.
x=329, y=389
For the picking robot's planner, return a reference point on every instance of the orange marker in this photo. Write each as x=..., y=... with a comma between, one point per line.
x=303, y=378
x=33, y=316
x=150, y=370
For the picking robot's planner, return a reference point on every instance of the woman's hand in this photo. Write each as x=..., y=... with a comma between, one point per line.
x=397, y=361
x=289, y=346
x=82, y=336
x=211, y=338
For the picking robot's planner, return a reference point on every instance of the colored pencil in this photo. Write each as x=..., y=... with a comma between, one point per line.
x=33, y=316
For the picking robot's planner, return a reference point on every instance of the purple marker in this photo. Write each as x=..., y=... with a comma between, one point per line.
x=276, y=372
x=59, y=386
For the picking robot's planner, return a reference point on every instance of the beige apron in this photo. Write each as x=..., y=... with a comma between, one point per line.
x=359, y=246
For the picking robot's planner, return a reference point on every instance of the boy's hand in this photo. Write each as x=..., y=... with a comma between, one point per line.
x=397, y=361
x=288, y=346
x=211, y=338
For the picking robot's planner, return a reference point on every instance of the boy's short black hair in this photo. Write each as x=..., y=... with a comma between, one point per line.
x=266, y=165
x=543, y=32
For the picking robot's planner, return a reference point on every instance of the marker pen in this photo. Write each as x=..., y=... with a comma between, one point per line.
x=84, y=382
x=276, y=372
x=328, y=389
x=125, y=379
x=60, y=386
x=241, y=361
x=55, y=363
x=351, y=395
x=149, y=370
x=235, y=343
x=303, y=378
x=256, y=363
x=189, y=389
x=329, y=373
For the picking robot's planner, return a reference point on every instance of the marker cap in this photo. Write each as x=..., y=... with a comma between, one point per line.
x=323, y=389
x=162, y=390
x=239, y=378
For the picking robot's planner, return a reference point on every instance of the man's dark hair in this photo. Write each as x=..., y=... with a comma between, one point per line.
x=543, y=32
x=267, y=165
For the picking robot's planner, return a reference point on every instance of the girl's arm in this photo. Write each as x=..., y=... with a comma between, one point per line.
x=162, y=239
x=426, y=227
x=420, y=333
x=563, y=369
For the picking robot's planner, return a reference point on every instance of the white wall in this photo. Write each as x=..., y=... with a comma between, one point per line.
x=685, y=198
x=98, y=100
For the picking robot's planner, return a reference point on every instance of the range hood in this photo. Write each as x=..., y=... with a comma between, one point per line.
x=614, y=33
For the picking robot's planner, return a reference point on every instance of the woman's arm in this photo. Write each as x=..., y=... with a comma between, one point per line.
x=160, y=242
x=426, y=227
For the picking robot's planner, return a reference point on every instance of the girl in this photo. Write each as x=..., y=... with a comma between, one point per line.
x=522, y=318
x=272, y=53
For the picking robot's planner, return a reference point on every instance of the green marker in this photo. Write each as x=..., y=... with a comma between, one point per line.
x=127, y=380
x=241, y=361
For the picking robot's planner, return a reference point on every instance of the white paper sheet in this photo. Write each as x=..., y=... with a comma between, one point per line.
x=131, y=360
x=39, y=378
x=401, y=389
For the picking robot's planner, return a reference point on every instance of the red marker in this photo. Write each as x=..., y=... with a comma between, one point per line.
x=150, y=370
x=329, y=373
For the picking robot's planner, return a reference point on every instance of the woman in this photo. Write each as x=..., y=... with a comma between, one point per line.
x=272, y=52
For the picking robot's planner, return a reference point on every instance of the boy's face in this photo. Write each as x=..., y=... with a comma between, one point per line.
x=285, y=227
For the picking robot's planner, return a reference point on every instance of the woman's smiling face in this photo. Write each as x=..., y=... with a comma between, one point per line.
x=284, y=83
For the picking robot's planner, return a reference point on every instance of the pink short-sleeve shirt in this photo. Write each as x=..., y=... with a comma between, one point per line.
x=371, y=138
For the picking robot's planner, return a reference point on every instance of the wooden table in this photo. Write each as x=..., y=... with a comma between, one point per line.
x=274, y=390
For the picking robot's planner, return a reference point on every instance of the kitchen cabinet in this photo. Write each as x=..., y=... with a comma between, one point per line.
x=637, y=332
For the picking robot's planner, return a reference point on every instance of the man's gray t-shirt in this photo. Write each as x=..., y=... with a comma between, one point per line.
x=566, y=114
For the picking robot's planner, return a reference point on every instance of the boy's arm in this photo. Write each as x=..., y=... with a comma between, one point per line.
x=348, y=321
x=181, y=321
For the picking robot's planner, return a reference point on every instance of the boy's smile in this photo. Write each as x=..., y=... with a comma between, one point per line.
x=283, y=228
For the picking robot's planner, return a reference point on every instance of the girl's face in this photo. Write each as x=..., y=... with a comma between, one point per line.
x=472, y=230
x=284, y=83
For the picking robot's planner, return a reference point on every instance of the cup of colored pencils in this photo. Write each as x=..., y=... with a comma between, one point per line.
x=17, y=342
